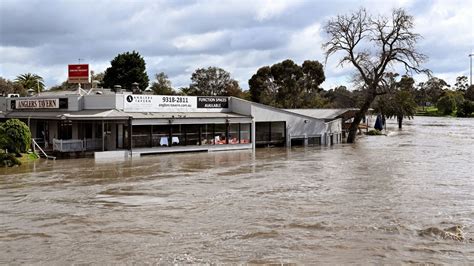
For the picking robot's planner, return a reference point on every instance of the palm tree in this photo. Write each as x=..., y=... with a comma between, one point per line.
x=30, y=81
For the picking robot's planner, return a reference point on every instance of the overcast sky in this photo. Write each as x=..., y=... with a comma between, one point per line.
x=240, y=36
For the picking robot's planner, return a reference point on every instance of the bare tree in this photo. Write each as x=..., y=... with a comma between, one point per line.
x=373, y=45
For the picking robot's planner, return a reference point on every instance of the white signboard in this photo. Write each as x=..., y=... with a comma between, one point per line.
x=37, y=104
x=170, y=103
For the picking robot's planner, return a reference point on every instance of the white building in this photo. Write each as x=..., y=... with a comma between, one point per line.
x=143, y=124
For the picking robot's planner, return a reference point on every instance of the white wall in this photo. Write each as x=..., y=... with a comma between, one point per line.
x=297, y=126
x=100, y=102
x=119, y=101
x=74, y=102
x=240, y=106
x=3, y=104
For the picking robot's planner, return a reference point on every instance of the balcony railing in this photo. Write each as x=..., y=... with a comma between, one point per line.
x=74, y=145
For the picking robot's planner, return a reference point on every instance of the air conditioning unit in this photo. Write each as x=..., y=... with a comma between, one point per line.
x=13, y=95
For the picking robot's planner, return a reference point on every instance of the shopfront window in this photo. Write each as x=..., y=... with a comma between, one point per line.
x=141, y=136
x=220, y=134
x=160, y=136
x=277, y=132
x=177, y=135
x=233, y=136
x=262, y=134
x=192, y=134
x=207, y=137
x=245, y=133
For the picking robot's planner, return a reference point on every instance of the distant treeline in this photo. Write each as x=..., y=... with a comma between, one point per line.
x=284, y=85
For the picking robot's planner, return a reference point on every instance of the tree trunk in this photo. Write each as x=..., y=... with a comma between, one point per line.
x=400, y=120
x=358, y=117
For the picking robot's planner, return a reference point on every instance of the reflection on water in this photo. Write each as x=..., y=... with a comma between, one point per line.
x=396, y=198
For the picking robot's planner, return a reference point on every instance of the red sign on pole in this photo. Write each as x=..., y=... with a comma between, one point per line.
x=78, y=73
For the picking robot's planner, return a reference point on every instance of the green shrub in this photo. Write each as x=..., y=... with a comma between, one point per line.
x=465, y=109
x=446, y=104
x=15, y=136
x=8, y=159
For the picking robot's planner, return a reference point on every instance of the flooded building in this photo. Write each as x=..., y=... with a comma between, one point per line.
x=122, y=124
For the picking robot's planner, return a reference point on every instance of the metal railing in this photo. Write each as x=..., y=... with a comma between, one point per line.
x=73, y=145
x=36, y=146
x=69, y=145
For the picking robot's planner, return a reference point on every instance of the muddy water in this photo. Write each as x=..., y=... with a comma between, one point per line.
x=382, y=200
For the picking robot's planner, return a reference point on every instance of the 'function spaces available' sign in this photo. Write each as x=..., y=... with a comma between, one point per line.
x=78, y=73
x=212, y=102
x=165, y=103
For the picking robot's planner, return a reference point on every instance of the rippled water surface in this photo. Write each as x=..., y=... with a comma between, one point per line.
x=382, y=200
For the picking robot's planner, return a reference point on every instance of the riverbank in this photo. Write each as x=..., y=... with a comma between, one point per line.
x=433, y=111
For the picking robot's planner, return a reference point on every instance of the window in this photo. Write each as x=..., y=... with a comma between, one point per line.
x=220, y=133
x=141, y=136
x=233, y=135
x=245, y=133
x=207, y=134
x=277, y=132
x=160, y=136
x=314, y=141
x=177, y=135
x=192, y=134
x=65, y=130
x=262, y=132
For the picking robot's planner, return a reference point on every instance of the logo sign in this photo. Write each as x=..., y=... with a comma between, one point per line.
x=78, y=73
x=37, y=104
x=168, y=103
x=212, y=102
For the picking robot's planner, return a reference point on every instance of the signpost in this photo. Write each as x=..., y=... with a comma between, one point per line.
x=78, y=73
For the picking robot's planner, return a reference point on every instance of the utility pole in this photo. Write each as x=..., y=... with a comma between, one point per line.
x=470, y=66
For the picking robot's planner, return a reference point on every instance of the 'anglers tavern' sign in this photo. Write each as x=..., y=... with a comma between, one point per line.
x=37, y=104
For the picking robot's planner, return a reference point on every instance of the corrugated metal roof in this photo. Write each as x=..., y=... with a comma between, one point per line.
x=321, y=113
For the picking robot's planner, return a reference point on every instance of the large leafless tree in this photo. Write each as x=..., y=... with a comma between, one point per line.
x=373, y=45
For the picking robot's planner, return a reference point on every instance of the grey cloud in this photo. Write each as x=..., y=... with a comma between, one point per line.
x=237, y=38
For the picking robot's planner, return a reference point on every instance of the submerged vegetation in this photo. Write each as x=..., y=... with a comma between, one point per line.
x=374, y=132
x=15, y=139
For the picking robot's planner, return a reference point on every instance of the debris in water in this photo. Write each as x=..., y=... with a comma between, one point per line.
x=454, y=233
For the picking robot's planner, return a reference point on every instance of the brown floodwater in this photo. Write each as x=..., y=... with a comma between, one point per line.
x=385, y=199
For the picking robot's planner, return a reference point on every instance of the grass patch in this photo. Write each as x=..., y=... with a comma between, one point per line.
x=431, y=111
x=28, y=157
x=427, y=111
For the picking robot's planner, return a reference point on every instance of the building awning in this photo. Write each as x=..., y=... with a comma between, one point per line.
x=188, y=118
x=79, y=115
x=138, y=118
x=185, y=115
